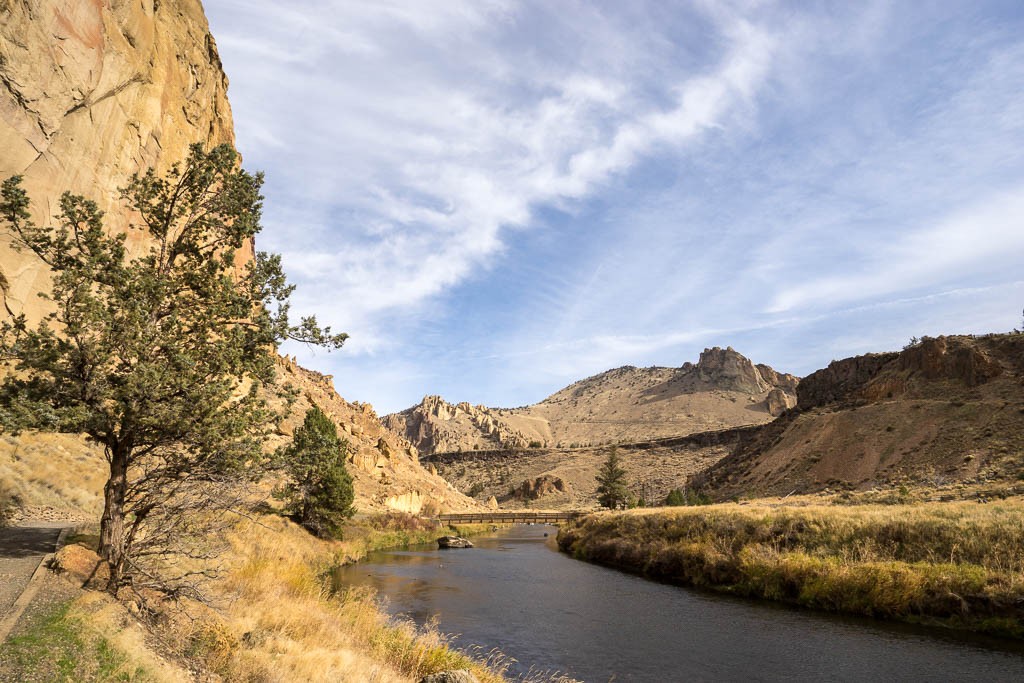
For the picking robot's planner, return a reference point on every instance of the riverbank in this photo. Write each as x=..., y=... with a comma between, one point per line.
x=270, y=614
x=287, y=623
x=959, y=565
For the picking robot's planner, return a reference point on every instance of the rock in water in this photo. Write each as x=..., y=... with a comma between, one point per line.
x=453, y=542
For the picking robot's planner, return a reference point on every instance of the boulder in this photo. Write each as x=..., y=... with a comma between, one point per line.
x=446, y=542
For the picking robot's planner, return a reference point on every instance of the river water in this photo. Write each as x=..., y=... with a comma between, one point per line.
x=517, y=593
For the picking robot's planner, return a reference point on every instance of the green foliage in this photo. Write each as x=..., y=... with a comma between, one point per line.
x=157, y=356
x=611, y=478
x=319, y=490
x=677, y=497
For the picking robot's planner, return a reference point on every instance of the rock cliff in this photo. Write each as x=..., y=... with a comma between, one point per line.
x=723, y=389
x=92, y=92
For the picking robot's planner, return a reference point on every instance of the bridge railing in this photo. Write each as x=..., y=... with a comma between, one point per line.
x=509, y=517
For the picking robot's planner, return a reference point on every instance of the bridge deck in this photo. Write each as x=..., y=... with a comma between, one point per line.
x=521, y=517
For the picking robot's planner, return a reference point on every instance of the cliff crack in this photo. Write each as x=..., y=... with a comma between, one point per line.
x=87, y=102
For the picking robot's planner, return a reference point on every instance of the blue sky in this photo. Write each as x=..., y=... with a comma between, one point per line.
x=496, y=198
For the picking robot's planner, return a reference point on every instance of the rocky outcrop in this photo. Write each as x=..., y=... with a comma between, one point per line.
x=778, y=401
x=541, y=486
x=436, y=426
x=952, y=358
x=728, y=370
x=913, y=371
x=841, y=380
x=92, y=92
x=780, y=380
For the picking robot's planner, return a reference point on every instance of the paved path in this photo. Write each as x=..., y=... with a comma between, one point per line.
x=22, y=549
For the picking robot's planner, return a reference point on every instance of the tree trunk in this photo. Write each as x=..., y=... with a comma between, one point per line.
x=112, y=539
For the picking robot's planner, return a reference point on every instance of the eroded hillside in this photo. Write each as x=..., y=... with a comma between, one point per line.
x=723, y=389
x=945, y=413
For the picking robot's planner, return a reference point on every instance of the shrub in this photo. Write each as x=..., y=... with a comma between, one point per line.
x=677, y=497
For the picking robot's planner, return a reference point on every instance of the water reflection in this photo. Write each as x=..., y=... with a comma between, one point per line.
x=515, y=592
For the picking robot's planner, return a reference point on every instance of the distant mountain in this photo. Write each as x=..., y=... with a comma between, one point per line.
x=723, y=389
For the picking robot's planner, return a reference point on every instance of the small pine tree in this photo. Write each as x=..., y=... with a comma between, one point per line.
x=675, y=498
x=611, y=479
x=319, y=491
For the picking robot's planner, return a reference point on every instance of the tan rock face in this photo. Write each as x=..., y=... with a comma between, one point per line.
x=93, y=92
x=729, y=370
x=539, y=487
x=778, y=401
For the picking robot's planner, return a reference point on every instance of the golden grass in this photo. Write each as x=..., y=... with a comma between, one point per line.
x=35, y=467
x=960, y=564
x=273, y=615
x=281, y=621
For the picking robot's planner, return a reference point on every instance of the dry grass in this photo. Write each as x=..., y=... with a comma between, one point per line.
x=58, y=475
x=281, y=621
x=273, y=615
x=960, y=564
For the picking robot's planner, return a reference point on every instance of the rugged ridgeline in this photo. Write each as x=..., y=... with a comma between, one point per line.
x=724, y=389
x=93, y=92
x=945, y=413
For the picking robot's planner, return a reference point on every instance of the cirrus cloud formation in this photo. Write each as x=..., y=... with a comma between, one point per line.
x=497, y=197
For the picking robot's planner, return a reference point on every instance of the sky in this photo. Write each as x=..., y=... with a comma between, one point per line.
x=496, y=198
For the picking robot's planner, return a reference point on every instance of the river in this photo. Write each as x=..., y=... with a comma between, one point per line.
x=517, y=593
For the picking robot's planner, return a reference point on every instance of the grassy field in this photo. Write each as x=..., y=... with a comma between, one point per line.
x=956, y=564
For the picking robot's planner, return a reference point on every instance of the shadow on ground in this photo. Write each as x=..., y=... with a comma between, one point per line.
x=26, y=541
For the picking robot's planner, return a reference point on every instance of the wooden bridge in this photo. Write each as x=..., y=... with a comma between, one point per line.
x=516, y=517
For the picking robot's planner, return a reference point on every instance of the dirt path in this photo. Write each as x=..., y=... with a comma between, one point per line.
x=22, y=548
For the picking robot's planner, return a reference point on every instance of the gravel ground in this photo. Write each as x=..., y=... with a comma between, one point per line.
x=53, y=593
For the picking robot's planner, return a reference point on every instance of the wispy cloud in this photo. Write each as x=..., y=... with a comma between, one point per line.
x=414, y=162
x=497, y=196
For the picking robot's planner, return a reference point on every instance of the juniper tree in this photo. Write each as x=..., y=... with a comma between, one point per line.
x=158, y=356
x=318, y=491
x=611, y=479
